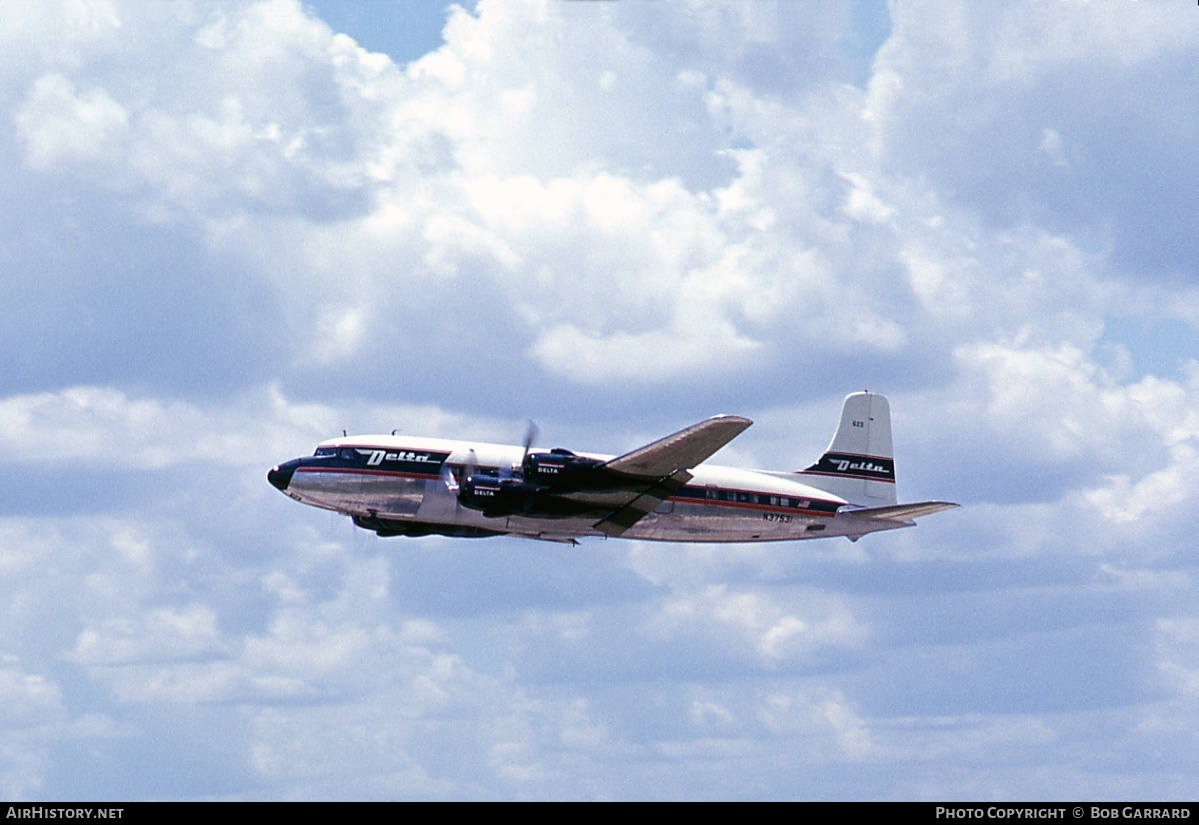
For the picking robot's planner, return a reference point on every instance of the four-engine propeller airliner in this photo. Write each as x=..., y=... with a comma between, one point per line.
x=399, y=485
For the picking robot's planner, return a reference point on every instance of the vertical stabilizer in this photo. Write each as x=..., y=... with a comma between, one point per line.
x=858, y=465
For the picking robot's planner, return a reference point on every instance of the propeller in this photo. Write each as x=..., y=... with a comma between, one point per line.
x=531, y=433
x=447, y=478
x=471, y=466
x=518, y=470
x=454, y=484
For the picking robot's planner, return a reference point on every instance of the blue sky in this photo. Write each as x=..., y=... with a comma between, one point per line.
x=234, y=229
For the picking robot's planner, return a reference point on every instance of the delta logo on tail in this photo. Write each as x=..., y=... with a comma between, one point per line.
x=859, y=466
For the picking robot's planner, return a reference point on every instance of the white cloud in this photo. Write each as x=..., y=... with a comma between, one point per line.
x=164, y=633
x=1179, y=662
x=28, y=699
x=95, y=424
x=32, y=712
x=757, y=622
x=60, y=125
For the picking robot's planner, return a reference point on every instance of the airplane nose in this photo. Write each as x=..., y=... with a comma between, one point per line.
x=280, y=475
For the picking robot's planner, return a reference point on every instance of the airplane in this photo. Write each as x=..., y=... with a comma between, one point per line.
x=399, y=485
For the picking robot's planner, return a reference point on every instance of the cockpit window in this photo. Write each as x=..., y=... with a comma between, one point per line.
x=347, y=454
x=326, y=451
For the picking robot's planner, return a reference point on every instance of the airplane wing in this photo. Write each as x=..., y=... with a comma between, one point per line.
x=644, y=504
x=665, y=463
x=683, y=450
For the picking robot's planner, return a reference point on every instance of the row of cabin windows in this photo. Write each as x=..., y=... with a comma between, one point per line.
x=715, y=494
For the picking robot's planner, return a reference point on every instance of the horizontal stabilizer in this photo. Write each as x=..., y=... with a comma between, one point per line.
x=899, y=512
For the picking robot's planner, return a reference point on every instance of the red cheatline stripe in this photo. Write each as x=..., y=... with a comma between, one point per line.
x=348, y=471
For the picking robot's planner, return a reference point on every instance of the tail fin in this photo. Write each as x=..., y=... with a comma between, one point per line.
x=858, y=465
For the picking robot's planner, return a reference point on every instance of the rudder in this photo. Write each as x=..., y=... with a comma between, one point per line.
x=859, y=465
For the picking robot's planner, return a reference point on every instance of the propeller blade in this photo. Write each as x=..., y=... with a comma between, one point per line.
x=447, y=478
x=455, y=484
x=530, y=435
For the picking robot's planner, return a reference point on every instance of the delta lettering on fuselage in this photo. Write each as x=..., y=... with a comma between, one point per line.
x=377, y=457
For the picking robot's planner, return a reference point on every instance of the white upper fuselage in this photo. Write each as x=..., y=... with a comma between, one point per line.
x=400, y=479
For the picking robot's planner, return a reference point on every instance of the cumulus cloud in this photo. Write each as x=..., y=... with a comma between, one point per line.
x=59, y=126
x=984, y=101
x=442, y=196
x=33, y=712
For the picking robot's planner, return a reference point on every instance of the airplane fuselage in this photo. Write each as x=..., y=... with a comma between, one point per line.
x=397, y=485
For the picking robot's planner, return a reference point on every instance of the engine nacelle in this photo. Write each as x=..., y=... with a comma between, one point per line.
x=559, y=469
x=496, y=496
x=499, y=495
